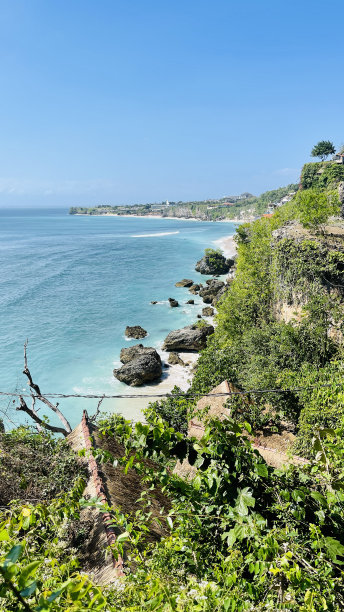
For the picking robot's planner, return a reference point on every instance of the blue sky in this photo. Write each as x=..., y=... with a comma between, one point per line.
x=136, y=101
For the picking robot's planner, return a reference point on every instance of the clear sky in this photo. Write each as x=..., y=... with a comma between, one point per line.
x=122, y=101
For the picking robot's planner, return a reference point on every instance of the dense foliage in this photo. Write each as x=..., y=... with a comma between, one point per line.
x=323, y=149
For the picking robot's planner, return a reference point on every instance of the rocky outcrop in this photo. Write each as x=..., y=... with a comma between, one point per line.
x=154, y=302
x=190, y=302
x=341, y=197
x=186, y=282
x=214, y=263
x=190, y=338
x=174, y=359
x=207, y=311
x=173, y=303
x=136, y=331
x=141, y=365
x=194, y=288
x=210, y=292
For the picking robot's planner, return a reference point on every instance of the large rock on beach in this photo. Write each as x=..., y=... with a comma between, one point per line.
x=136, y=331
x=174, y=359
x=214, y=263
x=207, y=311
x=190, y=338
x=141, y=365
x=186, y=282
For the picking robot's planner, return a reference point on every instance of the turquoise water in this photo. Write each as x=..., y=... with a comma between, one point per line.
x=72, y=284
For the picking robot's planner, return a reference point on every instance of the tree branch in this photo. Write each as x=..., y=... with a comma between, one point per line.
x=41, y=397
x=33, y=414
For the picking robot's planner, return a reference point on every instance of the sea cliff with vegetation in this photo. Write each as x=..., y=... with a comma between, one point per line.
x=232, y=532
x=230, y=207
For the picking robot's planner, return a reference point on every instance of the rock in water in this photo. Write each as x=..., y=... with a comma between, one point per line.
x=128, y=354
x=194, y=288
x=173, y=303
x=214, y=263
x=154, y=302
x=186, y=282
x=141, y=365
x=207, y=311
x=190, y=338
x=136, y=332
x=190, y=302
x=174, y=359
x=211, y=290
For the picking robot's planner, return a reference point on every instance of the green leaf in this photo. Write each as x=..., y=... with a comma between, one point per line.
x=170, y=522
x=334, y=548
x=244, y=500
x=28, y=571
x=4, y=535
x=123, y=537
x=29, y=590
x=14, y=554
x=262, y=470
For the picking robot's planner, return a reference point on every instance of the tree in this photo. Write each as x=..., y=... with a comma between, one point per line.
x=323, y=149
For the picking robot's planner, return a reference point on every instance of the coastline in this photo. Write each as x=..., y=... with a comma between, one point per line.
x=235, y=220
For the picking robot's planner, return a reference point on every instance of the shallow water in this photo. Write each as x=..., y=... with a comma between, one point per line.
x=71, y=284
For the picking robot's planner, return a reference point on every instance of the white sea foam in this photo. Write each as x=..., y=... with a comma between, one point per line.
x=153, y=235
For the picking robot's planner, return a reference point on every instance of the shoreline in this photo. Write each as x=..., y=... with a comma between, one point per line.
x=238, y=221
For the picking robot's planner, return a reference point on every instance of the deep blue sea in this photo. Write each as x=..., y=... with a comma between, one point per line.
x=71, y=284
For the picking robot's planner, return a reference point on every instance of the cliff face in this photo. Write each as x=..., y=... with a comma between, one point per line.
x=309, y=268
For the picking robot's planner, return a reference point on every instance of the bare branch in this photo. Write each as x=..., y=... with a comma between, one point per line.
x=94, y=417
x=42, y=398
x=33, y=414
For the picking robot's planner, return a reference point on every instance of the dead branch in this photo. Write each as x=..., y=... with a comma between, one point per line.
x=94, y=417
x=34, y=387
x=33, y=414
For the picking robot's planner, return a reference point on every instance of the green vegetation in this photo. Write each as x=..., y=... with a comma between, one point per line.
x=321, y=175
x=323, y=149
x=239, y=535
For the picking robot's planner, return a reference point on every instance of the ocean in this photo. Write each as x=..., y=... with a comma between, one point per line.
x=71, y=284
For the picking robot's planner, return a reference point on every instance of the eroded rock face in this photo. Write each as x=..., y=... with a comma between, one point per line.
x=186, y=282
x=141, y=365
x=136, y=331
x=173, y=303
x=190, y=338
x=214, y=263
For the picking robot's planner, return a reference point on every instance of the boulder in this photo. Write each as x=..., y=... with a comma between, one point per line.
x=142, y=365
x=128, y=354
x=186, y=282
x=190, y=302
x=136, y=332
x=190, y=338
x=199, y=316
x=173, y=303
x=174, y=359
x=154, y=302
x=211, y=290
x=214, y=263
x=207, y=311
x=194, y=289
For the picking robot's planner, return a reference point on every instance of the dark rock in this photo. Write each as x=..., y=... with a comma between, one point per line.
x=140, y=366
x=199, y=316
x=214, y=263
x=174, y=359
x=173, y=303
x=186, y=282
x=190, y=338
x=190, y=302
x=128, y=354
x=154, y=302
x=136, y=332
x=194, y=289
x=207, y=311
x=211, y=290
